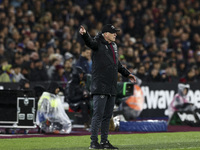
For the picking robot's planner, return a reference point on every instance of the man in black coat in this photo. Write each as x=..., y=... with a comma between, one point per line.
x=105, y=67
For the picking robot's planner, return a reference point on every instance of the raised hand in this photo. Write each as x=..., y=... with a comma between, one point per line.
x=82, y=30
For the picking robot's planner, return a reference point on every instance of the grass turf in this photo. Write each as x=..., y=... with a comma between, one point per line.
x=148, y=141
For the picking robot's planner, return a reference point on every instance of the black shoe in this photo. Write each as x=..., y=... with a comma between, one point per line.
x=95, y=145
x=107, y=145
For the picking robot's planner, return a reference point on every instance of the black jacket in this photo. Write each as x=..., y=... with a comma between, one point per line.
x=74, y=90
x=104, y=70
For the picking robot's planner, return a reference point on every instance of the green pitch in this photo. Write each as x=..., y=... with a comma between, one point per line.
x=148, y=141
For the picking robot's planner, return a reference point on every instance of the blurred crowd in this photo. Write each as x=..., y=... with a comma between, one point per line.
x=159, y=40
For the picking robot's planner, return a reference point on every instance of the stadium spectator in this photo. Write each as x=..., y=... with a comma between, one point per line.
x=83, y=60
x=164, y=77
x=181, y=68
x=68, y=69
x=58, y=75
x=38, y=72
x=172, y=74
x=17, y=75
x=163, y=28
x=129, y=56
x=7, y=75
x=190, y=76
x=154, y=75
x=141, y=73
x=78, y=96
x=53, y=63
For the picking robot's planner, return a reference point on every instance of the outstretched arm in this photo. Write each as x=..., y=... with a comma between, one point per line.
x=125, y=72
x=91, y=43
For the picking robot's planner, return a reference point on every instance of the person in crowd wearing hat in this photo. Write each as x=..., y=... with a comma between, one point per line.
x=7, y=75
x=68, y=56
x=105, y=68
x=180, y=101
x=20, y=47
x=163, y=76
x=3, y=62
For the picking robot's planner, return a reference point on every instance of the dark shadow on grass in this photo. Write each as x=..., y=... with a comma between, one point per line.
x=142, y=147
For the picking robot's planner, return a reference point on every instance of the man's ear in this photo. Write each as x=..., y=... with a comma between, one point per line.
x=106, y=33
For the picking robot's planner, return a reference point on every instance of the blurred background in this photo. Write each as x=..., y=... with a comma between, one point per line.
x=159, y=42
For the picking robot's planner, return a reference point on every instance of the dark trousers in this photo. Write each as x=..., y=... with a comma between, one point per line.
x=102, y=112
x=84, y=111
